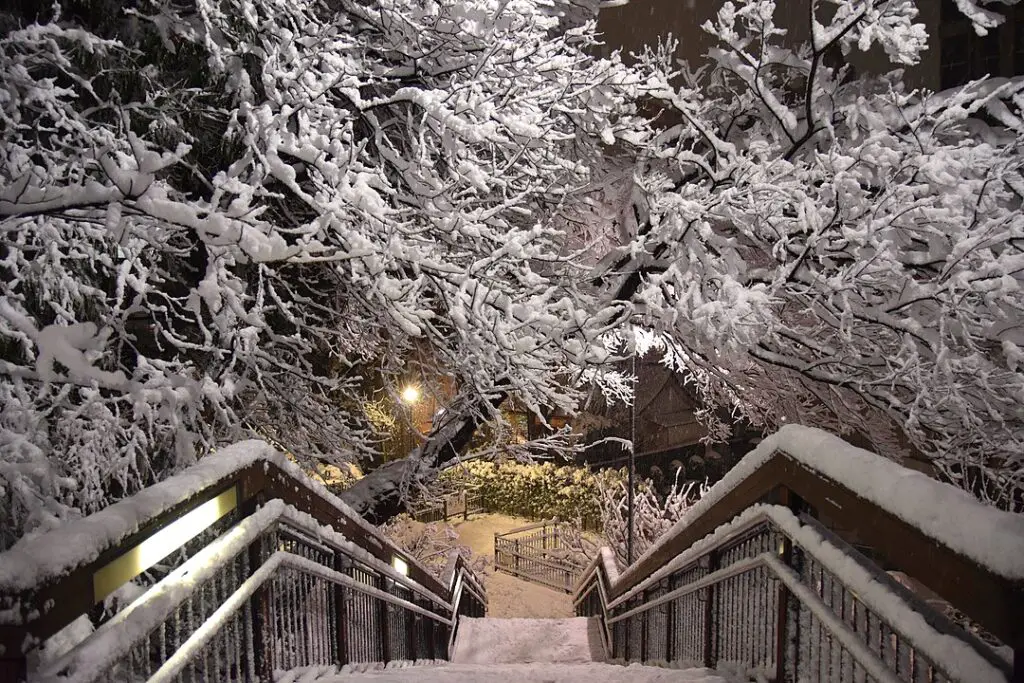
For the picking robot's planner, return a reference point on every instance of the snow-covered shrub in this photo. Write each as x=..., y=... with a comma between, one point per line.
x=653, y=515
x=534, y=490
x=431, y=544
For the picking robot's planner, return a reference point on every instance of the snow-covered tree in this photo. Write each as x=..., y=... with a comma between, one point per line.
x=839, y=250
x=653, y=515
x=220, y=217
x=226, y=217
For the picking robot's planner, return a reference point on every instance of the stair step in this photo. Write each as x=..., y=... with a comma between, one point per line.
x=523, y=641
x=511, y=673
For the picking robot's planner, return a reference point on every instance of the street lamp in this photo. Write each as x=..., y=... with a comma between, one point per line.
x=411, y=394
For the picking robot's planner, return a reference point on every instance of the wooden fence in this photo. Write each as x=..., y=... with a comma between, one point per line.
x=449, y=506
x=541, y=553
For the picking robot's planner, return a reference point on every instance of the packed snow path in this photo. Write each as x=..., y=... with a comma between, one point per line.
x=509, y=673
x=524, y=641
x=504, y=650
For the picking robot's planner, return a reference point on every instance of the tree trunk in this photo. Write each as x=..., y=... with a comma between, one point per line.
x=381, y=494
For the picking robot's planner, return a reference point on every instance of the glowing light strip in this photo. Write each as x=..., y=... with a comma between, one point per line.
x=161, y=544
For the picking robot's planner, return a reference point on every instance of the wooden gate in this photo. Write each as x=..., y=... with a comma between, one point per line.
x=541, y=553
x=449, y=506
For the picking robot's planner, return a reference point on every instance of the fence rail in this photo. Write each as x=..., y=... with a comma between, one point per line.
x=449, y=506
x=540, y=553
x=274, y=587
x=771, y=589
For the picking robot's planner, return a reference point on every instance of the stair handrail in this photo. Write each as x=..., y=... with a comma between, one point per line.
x=164, y=598
x=48, y=581
x=790, y=463
x=783, y=469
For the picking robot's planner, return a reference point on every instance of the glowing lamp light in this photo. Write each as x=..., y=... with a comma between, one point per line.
x=161, y=544
x=400, y=565
x=411, y=394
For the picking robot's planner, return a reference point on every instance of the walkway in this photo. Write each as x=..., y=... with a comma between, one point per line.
x=508, y=596
x=531, y=650
x=512, y=673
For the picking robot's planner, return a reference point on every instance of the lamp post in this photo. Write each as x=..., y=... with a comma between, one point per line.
x=409, y=397
x=632, y=467
x=410, y=394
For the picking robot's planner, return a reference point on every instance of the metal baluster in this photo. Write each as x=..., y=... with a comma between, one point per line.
x=305, y=617
x=298, y=637
x=162, y=641
x=220, y=595
x=322, y=624
x=749, y=648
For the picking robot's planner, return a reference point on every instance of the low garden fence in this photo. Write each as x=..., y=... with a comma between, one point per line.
x=550, y=553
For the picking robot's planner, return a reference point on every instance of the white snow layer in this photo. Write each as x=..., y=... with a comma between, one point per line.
x=509, y=673
x=511, y=641
x=990, y=537
x=36, y=560
x=956, y=657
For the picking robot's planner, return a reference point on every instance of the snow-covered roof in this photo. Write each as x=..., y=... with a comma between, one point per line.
x=992, y=538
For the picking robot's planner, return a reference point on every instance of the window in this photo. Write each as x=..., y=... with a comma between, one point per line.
x=964, y=55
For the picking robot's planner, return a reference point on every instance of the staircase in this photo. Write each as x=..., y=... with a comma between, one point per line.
x=531, y=650
x=252, y=573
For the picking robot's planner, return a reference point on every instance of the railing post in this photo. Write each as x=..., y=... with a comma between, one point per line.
x=410, y=634
x=384, y=630
x=260, y=608
x=710, y=656
x=787, y=625
x=782, y=617
x=444, y=508
x=340, y=615
x=430, y=630
x=670, y=623
x=645, y=597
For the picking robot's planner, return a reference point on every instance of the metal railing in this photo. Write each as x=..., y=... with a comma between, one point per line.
x=775, y=593
x=275, y=588
x=540, y=553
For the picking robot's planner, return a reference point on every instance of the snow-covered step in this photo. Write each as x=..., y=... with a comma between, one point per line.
x=524, y=641
x=510, y=673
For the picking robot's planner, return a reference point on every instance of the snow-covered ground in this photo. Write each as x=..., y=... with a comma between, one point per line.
x=511, y=641
x=510, y=673
x=513, y=650
x=508, y=596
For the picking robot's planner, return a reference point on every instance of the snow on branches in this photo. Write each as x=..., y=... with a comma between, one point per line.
x=228, y=216
x=839, y=251
x=653, y=514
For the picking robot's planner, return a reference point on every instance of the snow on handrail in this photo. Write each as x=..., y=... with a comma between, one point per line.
x=108, y=643
x=953, y=655
x=34, y=561
x=202, y=636
x=990, y=537
x=311, y=526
